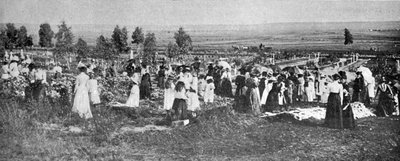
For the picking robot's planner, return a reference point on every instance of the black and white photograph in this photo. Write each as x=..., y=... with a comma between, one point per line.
x=213, y=80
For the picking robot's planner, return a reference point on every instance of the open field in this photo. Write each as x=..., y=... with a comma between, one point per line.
x=293, y=36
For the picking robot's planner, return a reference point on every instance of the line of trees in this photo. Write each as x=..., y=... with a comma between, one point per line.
x=12, y=37
x=107, y=48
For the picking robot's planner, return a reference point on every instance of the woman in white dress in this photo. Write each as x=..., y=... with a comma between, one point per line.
x=169, y=92
x=310, y=90
x=14, y=71
x=134, y=97
x=81, y=100
x=193, y=98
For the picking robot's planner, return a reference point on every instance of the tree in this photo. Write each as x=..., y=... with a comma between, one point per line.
x=12, y=35
x=3, y=40
x=183, y=41
x=81, y=48
x=29, y=41
x=137, y=36
x=149, y=48
x=64, y=40
x=348, y=38
x=119, y=39
x=104, y=48
x=22, y=37
x=172, y=50
x=45, y=35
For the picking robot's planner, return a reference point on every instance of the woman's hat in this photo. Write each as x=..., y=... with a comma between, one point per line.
x=209, y=78
x=336, y=76
x=342, y=74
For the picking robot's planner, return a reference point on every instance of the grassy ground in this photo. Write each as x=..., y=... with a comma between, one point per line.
x=30, y=132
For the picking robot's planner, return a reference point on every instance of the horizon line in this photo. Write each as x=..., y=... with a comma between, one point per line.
x=122, y=25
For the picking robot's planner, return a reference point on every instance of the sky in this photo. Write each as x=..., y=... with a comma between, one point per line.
x=196, y=12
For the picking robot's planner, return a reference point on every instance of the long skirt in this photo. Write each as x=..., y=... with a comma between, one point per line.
x=133, y=100
x=385, y=105
x=272, y=101
x=334, y=113
x=161, y=82
x=241, y=100
x=82, y=103
x=357, y=96
x=37, y=90
x=226, y=88
x=348, y=118
x=95, y=97
x=180, y=109
x=145, y=90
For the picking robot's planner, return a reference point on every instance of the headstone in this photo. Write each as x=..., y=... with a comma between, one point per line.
x=178, y=123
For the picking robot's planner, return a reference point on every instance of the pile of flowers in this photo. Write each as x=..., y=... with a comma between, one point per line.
x=61, y=87
x=113, y=89
x=15, y=86
x=318, y=113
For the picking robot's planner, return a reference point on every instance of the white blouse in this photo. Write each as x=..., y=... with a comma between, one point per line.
x=335, y=87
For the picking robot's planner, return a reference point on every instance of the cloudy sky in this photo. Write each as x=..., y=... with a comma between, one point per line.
x=196, y=12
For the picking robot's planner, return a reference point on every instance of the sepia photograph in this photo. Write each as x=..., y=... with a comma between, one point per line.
x=213, y=80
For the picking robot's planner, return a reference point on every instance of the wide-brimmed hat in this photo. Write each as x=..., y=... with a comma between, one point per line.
x=336, y=76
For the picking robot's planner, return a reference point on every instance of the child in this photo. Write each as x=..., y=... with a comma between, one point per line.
x=169, y=95
x=133, y=100
x=93, y=90
x=209, y=91
x=180, y=102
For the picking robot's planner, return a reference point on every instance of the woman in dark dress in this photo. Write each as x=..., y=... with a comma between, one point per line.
x=145, y=86
x=261, y=85
x=358, y=88
x=240, y=92
x=217, y=80
x=226, y=83
x=334, y=113
x=348, y=116
x=273, y=96
x=385, y=102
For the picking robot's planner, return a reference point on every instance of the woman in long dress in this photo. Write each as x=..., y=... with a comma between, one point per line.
x=226, y=84
x=169, y=92
x=134, y=96
x=300, y=88
x=145, y=87
x=310, y=90
x=252, y=97
x=180, y=102
x=269, y=84
x=385, y=102
x=334, y=113
x=81, y=100
x=358, y=88
x=239, y=94
x=193, y=98
x=348, y=116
